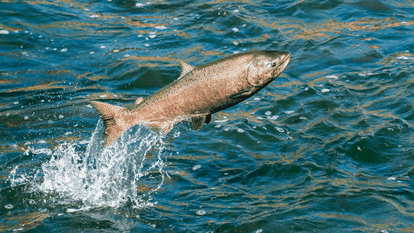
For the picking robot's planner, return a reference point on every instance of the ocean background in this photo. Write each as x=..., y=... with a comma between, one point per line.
x=326, y=147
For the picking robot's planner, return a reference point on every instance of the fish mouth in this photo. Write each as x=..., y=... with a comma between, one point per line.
x=285, y=62
x=282, y=65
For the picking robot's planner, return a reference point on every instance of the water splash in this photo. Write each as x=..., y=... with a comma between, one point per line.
x=106, y=177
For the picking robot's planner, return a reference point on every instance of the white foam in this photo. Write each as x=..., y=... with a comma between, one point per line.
x=4, y=32
x=196, y=167
x=325, y=90
x=235, y=29
x=161, y=27
x=64, y=50
x=275, y=117
x=221, y=121
x=404, y=58
x=105, y=177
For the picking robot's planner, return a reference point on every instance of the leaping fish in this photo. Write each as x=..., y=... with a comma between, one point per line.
x=199, y=92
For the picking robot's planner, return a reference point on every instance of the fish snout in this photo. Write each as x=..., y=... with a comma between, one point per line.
x=266, y=67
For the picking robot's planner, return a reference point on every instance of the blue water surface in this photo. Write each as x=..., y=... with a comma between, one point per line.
x=326, y=147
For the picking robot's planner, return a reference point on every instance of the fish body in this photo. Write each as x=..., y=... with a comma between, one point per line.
x=199, y=92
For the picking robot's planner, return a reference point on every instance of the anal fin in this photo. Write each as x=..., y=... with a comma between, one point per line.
x=163, y=127
x=166, y=128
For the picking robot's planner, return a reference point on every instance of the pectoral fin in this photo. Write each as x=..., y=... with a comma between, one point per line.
x=198, y=122
x=243, y=94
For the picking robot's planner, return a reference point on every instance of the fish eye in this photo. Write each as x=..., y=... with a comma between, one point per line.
x=274, y=64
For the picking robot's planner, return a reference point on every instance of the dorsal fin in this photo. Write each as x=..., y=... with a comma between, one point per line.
x=198, y=122
x=139, y=100
x=185, y=68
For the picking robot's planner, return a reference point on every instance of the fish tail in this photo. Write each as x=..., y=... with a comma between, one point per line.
x=110, y=115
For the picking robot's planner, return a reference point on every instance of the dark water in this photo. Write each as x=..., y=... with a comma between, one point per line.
x=326, y=147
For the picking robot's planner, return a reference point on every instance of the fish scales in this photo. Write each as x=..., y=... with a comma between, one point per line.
x=199, y=92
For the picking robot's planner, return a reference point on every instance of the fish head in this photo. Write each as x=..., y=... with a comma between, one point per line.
x=266, y=66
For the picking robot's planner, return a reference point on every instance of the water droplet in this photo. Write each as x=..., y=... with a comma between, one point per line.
x=235, y=29
x=268, y=113
x=325, y=90
x=4, y=32
x=9, y=206
x=94, y=16
x=102, y=46
x=279, y=129
x=64, y=50
x=61, y=116
x=201, y=212
x=26, y=117
x=196, y=167
x=240, y=130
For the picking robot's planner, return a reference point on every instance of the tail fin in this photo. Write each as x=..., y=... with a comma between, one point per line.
x=113, y=128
